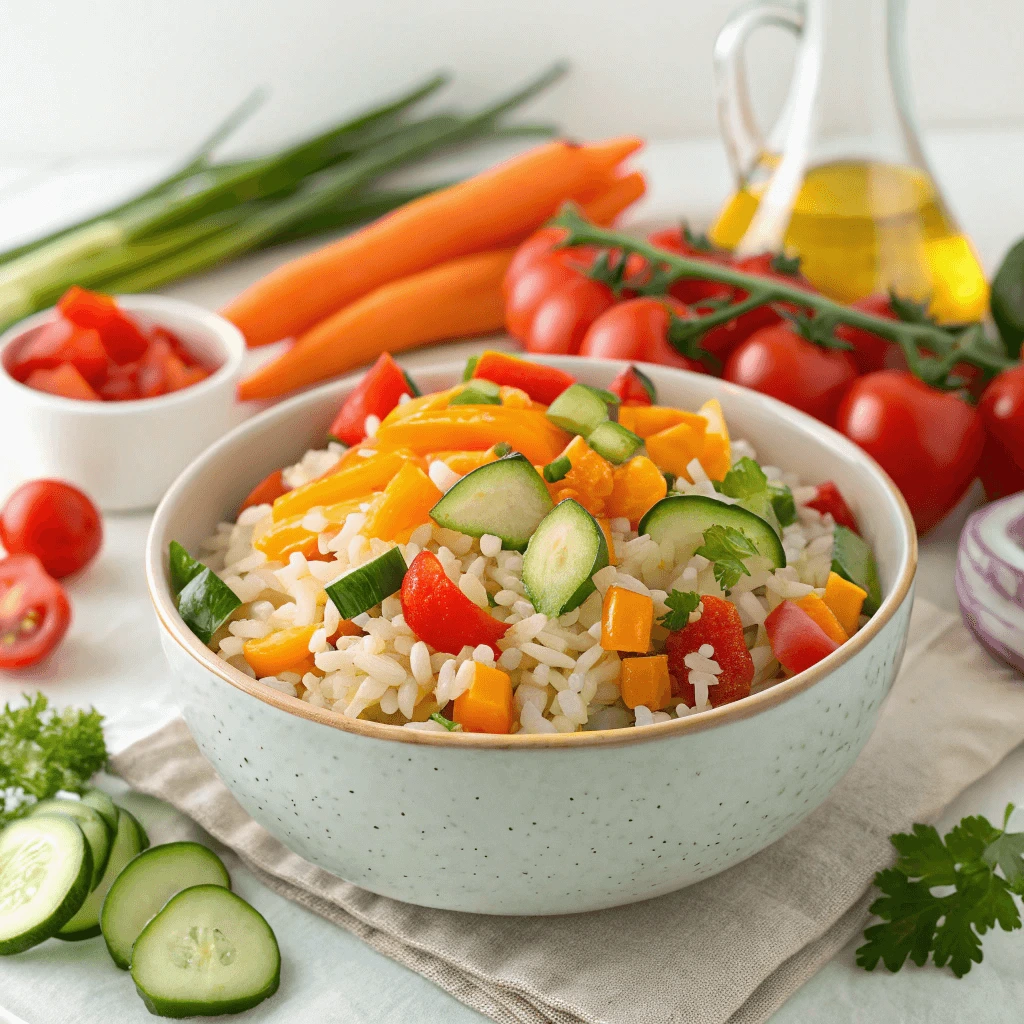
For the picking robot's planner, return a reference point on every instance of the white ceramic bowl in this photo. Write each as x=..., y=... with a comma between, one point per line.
x=538, y=824
x=124, y=455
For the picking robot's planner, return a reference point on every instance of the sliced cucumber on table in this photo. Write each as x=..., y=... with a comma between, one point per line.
x=146, y=884
x=45, y=873
x=206, y=952
x=101, y=802
x=506, y=498
x=367, y=585
x=684, y=518
x=127, y=844
x=852, y=559
x=565, y=551
x=140, y=831
x=98, y=834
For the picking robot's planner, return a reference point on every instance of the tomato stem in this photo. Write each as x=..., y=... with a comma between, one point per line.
x=946, y=348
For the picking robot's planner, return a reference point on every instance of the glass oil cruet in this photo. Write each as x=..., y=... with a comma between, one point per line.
x=841, y=180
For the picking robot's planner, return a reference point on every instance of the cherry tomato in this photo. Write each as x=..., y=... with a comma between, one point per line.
x=375, y=395
x=34, y=611
x=798, y=642
x=638, y=330
x=828, y=499
x=540, y=247
x=869, y=350
x=778, y=361
x=692, y=290
x=1002, y=410
x=928, y=441
x=272, y=486
x=634, y=387
x=53, y=521
x=998, y=471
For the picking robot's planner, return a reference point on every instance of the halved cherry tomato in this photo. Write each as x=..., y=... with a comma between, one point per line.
x=639, y=329
x=828, y=499
x=272, y=486
x=64, y=381
x=778, y=361
x=798, y=642
x=34, y=611
x=928, y=441
x=53, y=521
x=60, y=341
x=375, y=395
x=542, y=383
x=122, y=337
x=634, y=387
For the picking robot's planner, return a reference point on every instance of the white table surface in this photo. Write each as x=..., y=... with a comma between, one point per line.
x=111, y=659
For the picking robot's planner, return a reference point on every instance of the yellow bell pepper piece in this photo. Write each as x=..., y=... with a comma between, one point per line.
x=846, y=600
x=646, y=681
x=636, y=486
x=463, y=462
x=360, y=479
x=487, y=705
x=626, y=621
x=516, y=398
x=717, y=455
x=405, y=504
x=287, y=650
x=435, y=400
x=674, y=449
x=475, y=427
x=289, y=535
x=824, y=617
x=645, y=420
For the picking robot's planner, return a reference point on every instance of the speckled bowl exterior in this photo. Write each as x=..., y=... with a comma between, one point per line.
x=538, y=824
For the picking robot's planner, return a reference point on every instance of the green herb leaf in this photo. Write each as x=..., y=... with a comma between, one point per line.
x=744, y=479
x=446, y=722
x=727, y=547
x=182, y=566
x=681, y=603
x=783, y=503
x=1006, y=299
x=43, y=750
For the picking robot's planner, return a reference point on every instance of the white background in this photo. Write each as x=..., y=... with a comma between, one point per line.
x=107, y=77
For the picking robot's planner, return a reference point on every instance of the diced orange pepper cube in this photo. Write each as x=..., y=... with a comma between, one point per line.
x=405, y=505
x=645, y=420
x=717, y=455
x=646, y=681
x=846, y=600
x=636, y=486
x=589, y=481
x=823, y=616
x=606, y=529
x=674, y=449
x=626, y=621
x=287, y=650
x=487, y=705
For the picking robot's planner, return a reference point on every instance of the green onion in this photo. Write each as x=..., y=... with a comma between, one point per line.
x=446, y=722
x=557, y=470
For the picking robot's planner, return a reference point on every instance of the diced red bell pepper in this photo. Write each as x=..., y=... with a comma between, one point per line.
x=542, y=383
x=270, y=487
x=177, y=346
x=65, y=381
x=122, y=337
x=440, y=614
x=61, y=341
x=828, y=499
x=375, y=395
x=798, y=642
x=720, y=626
x=121, y=384
x=634, y=387
x=151, y=373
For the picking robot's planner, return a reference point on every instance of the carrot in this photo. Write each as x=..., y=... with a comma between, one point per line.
x=623, y=192
x=456, y=299
x=491, y=210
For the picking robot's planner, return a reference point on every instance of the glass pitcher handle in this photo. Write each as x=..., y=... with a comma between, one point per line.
x=743, y=139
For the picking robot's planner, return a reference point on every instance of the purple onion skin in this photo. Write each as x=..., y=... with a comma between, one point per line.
x=972, y=529
x=998, y=650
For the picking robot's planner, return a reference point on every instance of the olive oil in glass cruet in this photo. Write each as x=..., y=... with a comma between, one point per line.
x=842, y=180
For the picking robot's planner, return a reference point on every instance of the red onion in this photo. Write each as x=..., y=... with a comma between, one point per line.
x=990, y=578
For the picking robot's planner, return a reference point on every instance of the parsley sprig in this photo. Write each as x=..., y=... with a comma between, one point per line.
x=43, y=750
x=681, y=603
x=727, y=547
x=977, y=868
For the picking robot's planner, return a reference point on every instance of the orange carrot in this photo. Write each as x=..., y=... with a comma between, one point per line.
x=623, y=192
x=491, y=210
x=456, y=299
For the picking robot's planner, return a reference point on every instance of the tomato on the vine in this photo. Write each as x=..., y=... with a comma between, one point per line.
x=34, y=611
x=998, y=470
x=871, y=351
x=682, y=242
x=1002, y=410
x=778, y=361
x=638, y=330
x=929, y=441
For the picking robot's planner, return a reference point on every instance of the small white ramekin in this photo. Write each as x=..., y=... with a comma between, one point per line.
x=124, y=455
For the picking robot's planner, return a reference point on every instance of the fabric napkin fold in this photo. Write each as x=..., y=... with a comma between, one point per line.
x=731, y=948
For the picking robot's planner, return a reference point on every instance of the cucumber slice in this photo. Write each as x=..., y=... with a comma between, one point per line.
x=86, y=922
x=206, y=603
x=614, y=442
x=563, y=554
x=470, y=368
x=143, y=837
x=685, y=517
x=852, y=559
x=98, y=834
x=207, y=952
x=146, y=884
x=506, y=498
x=578, y=409
x=45, y=870
x=763, y=507
x=478, y=392
x=99, y=801
x=358, y=590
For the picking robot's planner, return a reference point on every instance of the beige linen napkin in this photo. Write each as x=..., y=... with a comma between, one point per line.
x=731, y=948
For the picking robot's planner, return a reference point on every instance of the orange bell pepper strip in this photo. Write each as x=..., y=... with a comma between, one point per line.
x=435, y=400
x=463, y=462
x=824, y=617
x=475, y=427
x=404, y=505
x=717, y=455
x=645, y=420
x=487, y=705
x=636, y=486
x=287, y=650
x=289, y=535
x=846, y=600
x=646, y=681
x=626, y=621
x=675, y=448
x=357, y=480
